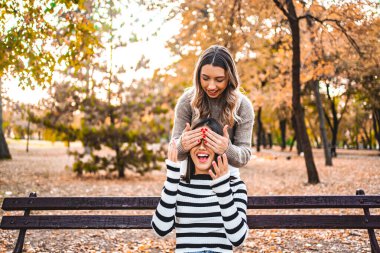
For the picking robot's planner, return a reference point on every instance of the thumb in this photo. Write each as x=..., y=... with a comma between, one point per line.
x=187, y=128
x=225, y=131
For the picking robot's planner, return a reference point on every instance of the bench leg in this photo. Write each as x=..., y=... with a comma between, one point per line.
x=371, y=232
x=21, y=235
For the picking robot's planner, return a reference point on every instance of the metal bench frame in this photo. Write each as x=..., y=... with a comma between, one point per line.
x=31, y=203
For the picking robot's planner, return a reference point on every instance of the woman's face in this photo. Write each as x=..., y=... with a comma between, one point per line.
x=213, y=80
x=202, y=156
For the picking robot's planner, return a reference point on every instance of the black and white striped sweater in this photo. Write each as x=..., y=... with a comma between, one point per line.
x=207, y=214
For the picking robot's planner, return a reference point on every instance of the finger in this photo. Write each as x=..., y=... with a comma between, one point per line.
x=225, y=162
x=216, y=169
x=211, y=173
x=213, y=145
x=225, y=131
x=194, y=143
x=220, y=164
x=213, y=135
x=194, y=134
x=225, y=159
x=219, y=141
x=174, y=152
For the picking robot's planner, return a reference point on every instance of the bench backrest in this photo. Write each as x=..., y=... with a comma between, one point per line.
x=150, y=203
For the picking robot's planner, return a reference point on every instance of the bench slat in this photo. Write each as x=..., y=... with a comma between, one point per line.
x=257, y=202
x=143, y=222
x=81, y=203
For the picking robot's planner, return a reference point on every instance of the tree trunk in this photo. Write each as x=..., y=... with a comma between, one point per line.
x=292, y=142
x=28, y=135
x=322, y=128
x=368, y=138
x=296, y=137
x=4, y=150
x=312, y=173
x=333, y=141
x=376, y=125
x=270, y=142
x=259, y=130
x=263, y=138
x=283, y=134
x=335, y=125
x=313, y=133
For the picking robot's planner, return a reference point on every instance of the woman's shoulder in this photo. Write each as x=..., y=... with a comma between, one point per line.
x=237, y=183
x=186, y=96
x=245, y=104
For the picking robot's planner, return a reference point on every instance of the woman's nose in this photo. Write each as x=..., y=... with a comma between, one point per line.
x=211, y=85
x=202, y=146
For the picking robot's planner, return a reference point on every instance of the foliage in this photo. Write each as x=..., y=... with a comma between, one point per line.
x=36, y=35
x=96, y=106
x=260, y=40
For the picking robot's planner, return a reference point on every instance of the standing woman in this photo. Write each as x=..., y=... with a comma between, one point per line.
x=215, y=93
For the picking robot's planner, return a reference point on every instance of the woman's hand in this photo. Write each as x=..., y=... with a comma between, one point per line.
x=172, y=151
x=216, y=142
x=190, y=138
x=220, y=168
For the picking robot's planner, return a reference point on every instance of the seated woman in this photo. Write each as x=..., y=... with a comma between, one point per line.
x=207, y=206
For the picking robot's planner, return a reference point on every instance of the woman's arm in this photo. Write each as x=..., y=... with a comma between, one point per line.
x=239, y=150
x=163, y=218
x=233, y=206
x=182, y=116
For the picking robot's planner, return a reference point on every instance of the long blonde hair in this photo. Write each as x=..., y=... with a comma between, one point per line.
x=217, y=56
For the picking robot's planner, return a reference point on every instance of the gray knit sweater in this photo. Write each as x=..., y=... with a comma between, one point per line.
x=239, y=148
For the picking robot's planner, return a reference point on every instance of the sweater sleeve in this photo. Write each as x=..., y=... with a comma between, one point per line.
x=233, y=206
x=163, y=218
x=239, y=150
x=182, y=116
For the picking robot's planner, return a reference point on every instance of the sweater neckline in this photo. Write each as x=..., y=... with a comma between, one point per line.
x=201, y=177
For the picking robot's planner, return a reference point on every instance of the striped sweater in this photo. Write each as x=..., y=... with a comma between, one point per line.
x=207, y=214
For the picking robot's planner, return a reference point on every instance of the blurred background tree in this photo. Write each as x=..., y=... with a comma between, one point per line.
x=310, y=68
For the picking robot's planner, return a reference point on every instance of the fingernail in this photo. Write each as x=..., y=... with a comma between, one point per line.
x=199, y=141
x=205, y=141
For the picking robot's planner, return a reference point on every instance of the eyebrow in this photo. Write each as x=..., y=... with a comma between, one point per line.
x=215, y=77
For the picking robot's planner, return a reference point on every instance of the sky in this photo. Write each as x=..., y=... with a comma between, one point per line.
x=153, y=47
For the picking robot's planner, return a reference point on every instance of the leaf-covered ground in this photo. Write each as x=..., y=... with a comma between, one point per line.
x=42, y=170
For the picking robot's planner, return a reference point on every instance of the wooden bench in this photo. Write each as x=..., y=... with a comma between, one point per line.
x=280, y=221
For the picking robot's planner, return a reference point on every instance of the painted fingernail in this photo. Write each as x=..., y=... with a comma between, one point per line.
x=205, y=141
x=199, y=141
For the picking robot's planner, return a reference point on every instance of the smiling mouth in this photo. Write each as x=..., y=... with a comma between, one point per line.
x=202, y=158
x=212, y=93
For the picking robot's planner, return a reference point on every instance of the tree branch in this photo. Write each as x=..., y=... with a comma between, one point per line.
x=339, y=25
x=328, y=119
x=282, y=8
x=348, y=95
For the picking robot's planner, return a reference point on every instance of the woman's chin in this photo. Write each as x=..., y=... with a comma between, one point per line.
x=202, y=168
